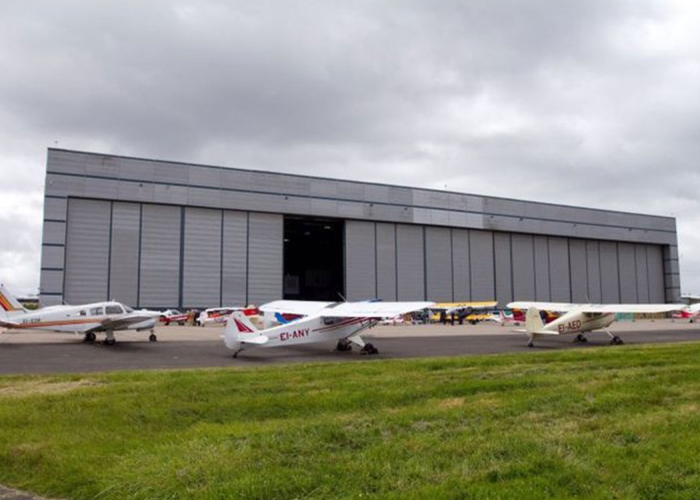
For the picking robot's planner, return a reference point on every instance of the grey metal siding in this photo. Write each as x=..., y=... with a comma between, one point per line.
x=87, y=251
x=504, y=278
x=482, y=272
x=410, y=262
x=609, y=273
x=628, y=271
x=438, y=261
x=579, y=271
x=201, y=285
x=124, y=264
x=234, y=265
x=360, y=260
x=559, y=278
x=642, y=273
x=593, y=265
x=541, y=268
x=160, y=256
x=386, y=261
x=460, y=265
x=655, y=268
x=52, y=257
x=523, y=267
x=265, y=235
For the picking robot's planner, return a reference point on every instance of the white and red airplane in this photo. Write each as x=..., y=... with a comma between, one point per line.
x=321, y=322
x=580, y=319
x=87, y=319
x=691, y=313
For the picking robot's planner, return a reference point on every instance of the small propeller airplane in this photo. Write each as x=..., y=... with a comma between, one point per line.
x=580, y=319
x=320, y=322
x=88, y=319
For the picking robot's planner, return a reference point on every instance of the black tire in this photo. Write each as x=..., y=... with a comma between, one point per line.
x=181, y=323
x=152, y=337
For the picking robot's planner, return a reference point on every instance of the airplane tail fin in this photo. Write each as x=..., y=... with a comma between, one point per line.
x=239, y=329
x=9, y=306
x=533, y=321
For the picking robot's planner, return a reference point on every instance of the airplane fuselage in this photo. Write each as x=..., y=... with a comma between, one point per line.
x=575, y=322
x=78, y=319
x=315, y=329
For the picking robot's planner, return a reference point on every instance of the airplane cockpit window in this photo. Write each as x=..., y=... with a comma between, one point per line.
x=96, y=311
x=114, y=309
x=128, y=309
x=82, y=313
x=332, y=321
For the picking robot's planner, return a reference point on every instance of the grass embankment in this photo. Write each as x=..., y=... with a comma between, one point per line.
x=603, y=423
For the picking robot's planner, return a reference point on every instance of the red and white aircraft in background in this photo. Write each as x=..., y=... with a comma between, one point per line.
x=580, y=319
x=87, y=319
x=321, y=322
x=691, y=313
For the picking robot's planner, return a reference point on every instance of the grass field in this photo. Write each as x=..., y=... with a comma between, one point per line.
x=596, y=423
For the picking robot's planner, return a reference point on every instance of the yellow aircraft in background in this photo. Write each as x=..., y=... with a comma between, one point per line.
x=475, y=311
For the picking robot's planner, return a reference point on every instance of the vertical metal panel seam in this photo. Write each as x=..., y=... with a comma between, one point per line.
x=493, y=257
x=181, y=267
x=376, y=268
x=425, y=267
x=512, y=274
x=600, y=272
x=247, y=257
x=65, y=253
x=588, y=283
x=534, y=266
x=469, y=270
x=571, y=284
x=109, y=251
x=549, y=270
x=619, y=276
x=452, y=262
x=221, y=263
x=138, y=273
x=646, y=261
x=396, y=262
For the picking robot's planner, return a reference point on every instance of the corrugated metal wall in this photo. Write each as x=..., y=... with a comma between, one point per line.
x=201, y=285
x=360, y=260
x=151, y=255
x=160, y=256
x=87, y=251
x=265, y=251
x=124, y=265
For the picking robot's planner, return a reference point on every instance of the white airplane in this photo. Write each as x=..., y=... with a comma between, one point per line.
x=580, y=319
x=88, y=319
x=322, y=322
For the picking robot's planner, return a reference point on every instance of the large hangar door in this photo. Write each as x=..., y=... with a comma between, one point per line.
x=313, y=259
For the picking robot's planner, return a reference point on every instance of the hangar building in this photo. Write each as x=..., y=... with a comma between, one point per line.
x=159, y=234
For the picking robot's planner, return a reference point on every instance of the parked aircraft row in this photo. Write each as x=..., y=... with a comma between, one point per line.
x=289, y=322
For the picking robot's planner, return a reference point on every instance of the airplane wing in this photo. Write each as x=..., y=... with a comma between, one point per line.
x=373, y=309
x=488, y=304
x=124, y=321
x=302, y=307
x=597, y=308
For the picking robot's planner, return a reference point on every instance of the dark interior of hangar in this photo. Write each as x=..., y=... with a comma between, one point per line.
x=313, y=259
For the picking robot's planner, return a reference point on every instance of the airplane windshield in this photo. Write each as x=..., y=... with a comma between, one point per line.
x=114, y=309
x=128, y=309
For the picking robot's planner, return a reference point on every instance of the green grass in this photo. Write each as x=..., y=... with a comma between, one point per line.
x=595, y=423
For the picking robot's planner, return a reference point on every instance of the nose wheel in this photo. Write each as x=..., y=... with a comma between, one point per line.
x=369, y=349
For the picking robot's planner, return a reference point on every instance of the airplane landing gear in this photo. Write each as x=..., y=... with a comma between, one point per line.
x=614, y=339
x=580, y=338
x=90, y=337
x=369, y=349
x=343, y=345
x=530, y=343
x=109, y=338
x=152, y=337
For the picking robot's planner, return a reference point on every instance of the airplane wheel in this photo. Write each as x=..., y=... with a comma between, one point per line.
x=90, y=337
x=110, y=342
x=369, y=349
x=530, y=343
x=152, y=337
x=181, y=323
x=343, y=346
x=616, y=340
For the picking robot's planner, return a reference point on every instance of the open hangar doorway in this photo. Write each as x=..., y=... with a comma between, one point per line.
x=313, y=258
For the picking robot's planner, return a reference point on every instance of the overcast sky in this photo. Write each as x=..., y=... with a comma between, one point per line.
x=590, y=103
